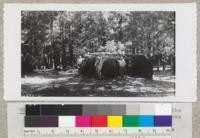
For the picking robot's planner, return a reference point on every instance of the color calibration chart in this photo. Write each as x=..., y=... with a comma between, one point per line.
x=75, y=116
x=146, y=120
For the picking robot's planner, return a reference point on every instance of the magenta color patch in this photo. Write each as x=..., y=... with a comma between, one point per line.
x=83, y=121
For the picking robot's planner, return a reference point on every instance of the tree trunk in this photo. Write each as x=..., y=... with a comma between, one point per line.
x=71, y=55
x=63, y=58
x=51, y=40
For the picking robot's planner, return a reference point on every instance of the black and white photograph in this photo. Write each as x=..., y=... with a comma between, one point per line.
x=98, y=53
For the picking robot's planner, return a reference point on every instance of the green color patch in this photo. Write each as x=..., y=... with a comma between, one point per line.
x=131, y=121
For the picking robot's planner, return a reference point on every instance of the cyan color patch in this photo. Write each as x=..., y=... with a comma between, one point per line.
x=146, y=121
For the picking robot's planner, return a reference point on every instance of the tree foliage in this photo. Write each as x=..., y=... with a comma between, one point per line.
x=54, y=39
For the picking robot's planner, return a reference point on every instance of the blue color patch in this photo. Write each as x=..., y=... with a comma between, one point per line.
x=146, y=121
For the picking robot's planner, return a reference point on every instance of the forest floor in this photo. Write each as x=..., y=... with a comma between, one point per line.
x=68, y=83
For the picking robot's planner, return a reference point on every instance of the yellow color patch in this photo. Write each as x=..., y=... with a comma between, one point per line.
x=115, y=121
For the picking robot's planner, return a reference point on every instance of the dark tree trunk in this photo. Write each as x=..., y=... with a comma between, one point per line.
x=71, y=55
x=64, y=65
x=51, y=39
x=63, y=58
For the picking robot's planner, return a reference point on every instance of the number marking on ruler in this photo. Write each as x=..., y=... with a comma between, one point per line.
x=164, y=132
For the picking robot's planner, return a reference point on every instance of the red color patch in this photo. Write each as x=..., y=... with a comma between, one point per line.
x=99, y=121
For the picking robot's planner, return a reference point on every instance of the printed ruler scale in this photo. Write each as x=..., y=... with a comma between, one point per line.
x=164, y=132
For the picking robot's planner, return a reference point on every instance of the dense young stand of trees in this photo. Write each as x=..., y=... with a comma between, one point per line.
x=54, y=39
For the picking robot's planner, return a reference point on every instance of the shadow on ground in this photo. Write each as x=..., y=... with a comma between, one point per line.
x=51, y=83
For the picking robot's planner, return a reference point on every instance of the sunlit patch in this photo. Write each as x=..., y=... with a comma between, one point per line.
x=118, y=89
x=131, y=89
x=86, y=88
x=164, y=78
x=101, y=88
x=73, y=83
x=149, y=89
x=39, y=80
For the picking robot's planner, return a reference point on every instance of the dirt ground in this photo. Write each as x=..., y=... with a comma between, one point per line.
x=68, y=83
